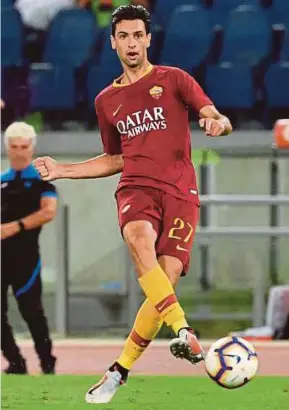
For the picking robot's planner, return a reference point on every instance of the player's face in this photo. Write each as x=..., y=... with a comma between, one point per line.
x=20, y=151
x=131, y=42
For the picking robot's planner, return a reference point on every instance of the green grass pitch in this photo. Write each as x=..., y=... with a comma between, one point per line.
x=144, y=393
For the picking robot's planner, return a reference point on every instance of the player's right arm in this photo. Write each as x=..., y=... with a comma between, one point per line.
x=108, y=164
x=98, y=167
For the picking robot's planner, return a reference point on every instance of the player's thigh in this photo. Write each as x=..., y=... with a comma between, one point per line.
x=139, y=220
x=179, y=225
x=137, y=204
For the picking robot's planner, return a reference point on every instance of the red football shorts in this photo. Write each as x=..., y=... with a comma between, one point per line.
x=173, y=219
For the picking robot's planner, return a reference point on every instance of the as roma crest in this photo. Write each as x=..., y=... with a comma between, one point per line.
x=156, y=92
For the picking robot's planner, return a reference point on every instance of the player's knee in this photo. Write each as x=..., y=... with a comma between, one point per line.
x=173, y=268
x=139, y=236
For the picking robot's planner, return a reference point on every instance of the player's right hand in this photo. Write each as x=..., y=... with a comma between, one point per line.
x=48, y=168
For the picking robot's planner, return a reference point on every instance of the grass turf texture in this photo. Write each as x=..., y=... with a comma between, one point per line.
x=144, y=393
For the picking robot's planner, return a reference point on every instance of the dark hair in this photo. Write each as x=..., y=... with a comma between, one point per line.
x=130, y=12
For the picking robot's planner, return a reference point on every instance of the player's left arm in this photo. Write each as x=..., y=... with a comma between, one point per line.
x=45, y=214
x=192, y=95
x=213, y=122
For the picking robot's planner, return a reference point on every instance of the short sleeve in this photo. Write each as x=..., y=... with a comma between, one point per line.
x=109, y=134
x=190, y=91
x=48, y=190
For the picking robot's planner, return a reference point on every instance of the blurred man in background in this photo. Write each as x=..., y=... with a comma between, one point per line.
x=37, y=17
x=27, y=203
x=38, y=14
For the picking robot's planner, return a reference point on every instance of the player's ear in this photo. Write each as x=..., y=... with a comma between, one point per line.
x=148, y=42
x=112, y=40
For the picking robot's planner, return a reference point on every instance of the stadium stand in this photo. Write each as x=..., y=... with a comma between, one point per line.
x=221, y=9
x=7, y=4
x=279, y=12
x=52, y=87
x=71, y=38
x=164, y=9
x=284, y=54
x=277, y=85
x=102, y=74
x=247, y=37
x=11, y=38
x=249, y=52
x=195, y=37
x=239, y=90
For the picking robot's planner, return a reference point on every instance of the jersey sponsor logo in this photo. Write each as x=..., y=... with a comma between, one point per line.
x=193, y=191
x=117, y=110
x=156, y=92
x=142, y=121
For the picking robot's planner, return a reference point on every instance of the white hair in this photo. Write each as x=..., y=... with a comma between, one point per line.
x=20, y=130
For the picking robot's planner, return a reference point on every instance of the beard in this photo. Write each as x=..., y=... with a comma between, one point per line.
x=132, y=64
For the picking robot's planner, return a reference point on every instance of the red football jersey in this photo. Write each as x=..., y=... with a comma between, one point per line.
x=147, y=122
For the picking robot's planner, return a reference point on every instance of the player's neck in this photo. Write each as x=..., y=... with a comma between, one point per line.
x=131, y=75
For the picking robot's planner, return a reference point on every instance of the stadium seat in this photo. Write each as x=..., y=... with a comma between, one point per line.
x=6, y=4
x=14, y=90
x=277, y=85
x=230, y=86
x=156, y=40
x=187, y=47
x=222, y=8
x=247, y=37
x=284, y=53
x=164, y=9
x=71, y=38
x=278, y=13
x=107, y=56
x=102, y=74
x=51, y=88
x=11, y=38
x=98, y=78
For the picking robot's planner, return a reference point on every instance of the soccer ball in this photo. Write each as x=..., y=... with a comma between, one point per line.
x=231, y=362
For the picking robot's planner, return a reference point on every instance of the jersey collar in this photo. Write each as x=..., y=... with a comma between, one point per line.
x=147, y=71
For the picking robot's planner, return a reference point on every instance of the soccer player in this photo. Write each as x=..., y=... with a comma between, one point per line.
x=144, y=126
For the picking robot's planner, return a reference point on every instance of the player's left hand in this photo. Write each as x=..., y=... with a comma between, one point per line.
x=212, y=127
x=9, y=229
